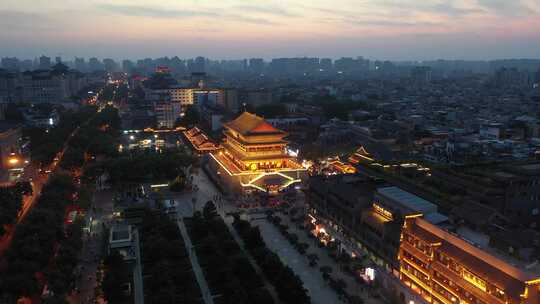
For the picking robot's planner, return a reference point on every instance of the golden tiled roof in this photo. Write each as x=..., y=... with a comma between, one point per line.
x=248, y=123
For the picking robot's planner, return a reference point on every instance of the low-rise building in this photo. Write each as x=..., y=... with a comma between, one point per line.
x=124, y=239
x=11, y=162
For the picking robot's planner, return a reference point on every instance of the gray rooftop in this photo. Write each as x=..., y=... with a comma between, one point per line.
x=408, y=199
x=120, y=233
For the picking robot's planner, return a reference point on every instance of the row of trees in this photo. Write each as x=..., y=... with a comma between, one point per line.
x=290, y=236
x=190, y=118
x=167, y=272
x=43, y=246
x=146, y=166
x=45, y=144
x=11, y=199
x=61, y=275
x=36, y=240
x=226, y=267
x=289, y=286
x=116, y=276
x=98, y=136
x=115, y=93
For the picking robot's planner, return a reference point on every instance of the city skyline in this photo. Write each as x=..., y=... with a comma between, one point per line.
x=390, y=30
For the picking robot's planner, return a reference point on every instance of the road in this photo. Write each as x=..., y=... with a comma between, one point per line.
x=92, y=251
x=38, y=180
x=197, y=270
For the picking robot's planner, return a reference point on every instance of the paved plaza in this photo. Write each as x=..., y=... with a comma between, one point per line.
x=319, y=290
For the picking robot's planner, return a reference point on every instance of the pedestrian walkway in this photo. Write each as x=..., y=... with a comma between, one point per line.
x=353, y=287
x=203, y=285
x=100, y=212
x=253, y=263
x=138, y=294
x=318, y=290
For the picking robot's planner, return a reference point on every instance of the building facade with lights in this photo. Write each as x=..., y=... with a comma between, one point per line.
x=254, y=157
x=419, y=254
x=11, y=161
x=200, y=142
x=445, y=268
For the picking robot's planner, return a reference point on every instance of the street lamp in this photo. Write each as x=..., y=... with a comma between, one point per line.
x=13, y=160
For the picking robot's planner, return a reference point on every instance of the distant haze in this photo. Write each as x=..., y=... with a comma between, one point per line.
x=385, y=29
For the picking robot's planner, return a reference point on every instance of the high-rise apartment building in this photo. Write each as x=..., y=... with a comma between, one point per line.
x=51, y=86
x=256, y=65
x=94, y=64
x=44, y=62
x=80, y=64
x=421, y=75
x=110, y=65
x=183, y=96
x=326, y=64
x=10, y=63
x=9, y=82
x=127, y=66
x=166, y=112
x=198, y=65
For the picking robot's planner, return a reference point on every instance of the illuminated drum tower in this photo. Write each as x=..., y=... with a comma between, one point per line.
x=254, y=157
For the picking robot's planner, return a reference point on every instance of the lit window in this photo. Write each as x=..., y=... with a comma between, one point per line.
x=475, y=280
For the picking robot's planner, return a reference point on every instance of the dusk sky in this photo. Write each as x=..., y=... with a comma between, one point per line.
x=382, y=29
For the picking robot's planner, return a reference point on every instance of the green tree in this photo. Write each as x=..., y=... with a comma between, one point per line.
x=209, y=211
x=271, y=110
x=178, y=184
x=116, y=275
x=191, y=117
x=56, y=299
x=11, y=198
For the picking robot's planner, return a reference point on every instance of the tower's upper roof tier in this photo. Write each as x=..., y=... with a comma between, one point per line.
x=251, y=124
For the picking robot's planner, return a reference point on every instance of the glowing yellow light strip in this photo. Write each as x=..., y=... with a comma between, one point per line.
x=413, y=264
x=223, y=166
x=269, y=173
x=415, y=279
x=441, y=297
x=413, y=216
x=288, y=183
x=532, y=282
x=159, y=185
x=254, y=186
x=275, y=170
x=450, y=291
x=365, y=157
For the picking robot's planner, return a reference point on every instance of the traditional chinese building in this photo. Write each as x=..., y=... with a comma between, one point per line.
x=254, y=157
x=444, y=268
x=200, y=141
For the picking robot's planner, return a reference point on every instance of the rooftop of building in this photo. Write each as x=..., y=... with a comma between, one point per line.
x=251, y=124
x=6, y=126
x=526, y=261
x=477, y=244
x=120, y=233
x=345, y=188
x=409, y=200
